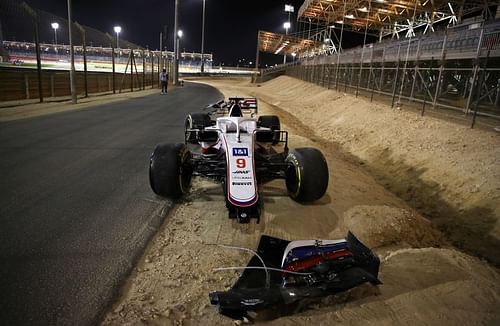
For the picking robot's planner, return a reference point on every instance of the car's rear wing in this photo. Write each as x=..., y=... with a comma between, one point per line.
x=245, y=103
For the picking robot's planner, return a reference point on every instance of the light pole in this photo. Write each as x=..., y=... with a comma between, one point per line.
x=72, y=75
x=203, y=40
x=178, y=48
x=286, y=26
x=179, y=36
x=55, y=26
x=117, y=30
x=289, y=9
x=176, y=27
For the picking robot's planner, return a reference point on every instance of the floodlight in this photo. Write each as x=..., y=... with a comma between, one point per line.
x=55, y=26
x=180, y=33
x=289, y=8
x=287, y=25
x=117, y=30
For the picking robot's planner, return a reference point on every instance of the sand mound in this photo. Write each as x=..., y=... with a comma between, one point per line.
x=426, y=286
x=421, y=285
x=448, y=172
x=383, y=225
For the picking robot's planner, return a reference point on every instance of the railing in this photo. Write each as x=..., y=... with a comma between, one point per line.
x=457, y=70
x=458, y=44
x=277, y=68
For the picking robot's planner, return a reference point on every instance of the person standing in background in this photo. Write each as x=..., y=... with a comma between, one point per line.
x=164, y=81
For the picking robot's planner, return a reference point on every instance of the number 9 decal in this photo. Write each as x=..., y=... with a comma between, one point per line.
x=241, y=163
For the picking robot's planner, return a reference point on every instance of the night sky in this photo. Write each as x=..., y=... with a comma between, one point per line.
x=230, y=30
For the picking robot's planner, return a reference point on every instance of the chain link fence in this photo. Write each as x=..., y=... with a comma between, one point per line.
x=28, y=42
x=455, y=71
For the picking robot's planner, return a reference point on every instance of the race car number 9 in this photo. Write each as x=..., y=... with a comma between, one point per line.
x=241, y=163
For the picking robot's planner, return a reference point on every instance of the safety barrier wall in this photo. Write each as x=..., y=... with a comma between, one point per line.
x=20, y=84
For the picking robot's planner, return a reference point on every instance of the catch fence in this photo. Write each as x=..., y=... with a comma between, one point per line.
x=101, y=66
x=457, y=70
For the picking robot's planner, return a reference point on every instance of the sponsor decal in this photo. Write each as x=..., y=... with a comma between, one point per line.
x=241, y=172
x=242, y=183
x=239, y=151
x=240, y=177
x=251, y=302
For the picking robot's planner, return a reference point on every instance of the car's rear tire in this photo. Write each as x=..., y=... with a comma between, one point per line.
x=306, y=176
x=170, y=170
x=195, y=121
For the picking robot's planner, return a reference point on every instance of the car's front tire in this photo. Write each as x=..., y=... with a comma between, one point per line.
x=306, y=176
x=170, y=170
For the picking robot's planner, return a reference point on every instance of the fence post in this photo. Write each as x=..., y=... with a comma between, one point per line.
x=112, y=62
x=159, y=63
x=143, y=70
x=85, y=76
x=52, y=93
x=441, y=69
x=396, y=78
x=474, y=74
x=352, y=71
x=370, y=73
x=27, y=86
x=382, y=73
x=417, y=63
x=34, y=20
x=479, y=87
x=152, y=57
x=131, y=70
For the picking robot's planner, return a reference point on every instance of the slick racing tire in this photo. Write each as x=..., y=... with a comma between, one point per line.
x=170, y=170
x=195, y=121
x=306, y=176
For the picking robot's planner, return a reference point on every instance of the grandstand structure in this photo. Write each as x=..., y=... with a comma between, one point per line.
x=99, y=59
x=21, y=26
x=441, y=54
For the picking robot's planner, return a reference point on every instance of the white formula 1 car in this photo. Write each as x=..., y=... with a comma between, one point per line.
x=241, y=152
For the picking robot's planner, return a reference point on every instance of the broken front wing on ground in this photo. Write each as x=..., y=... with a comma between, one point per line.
x=283, y=272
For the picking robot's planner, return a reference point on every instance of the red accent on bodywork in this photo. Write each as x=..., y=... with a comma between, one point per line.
x=315, y=260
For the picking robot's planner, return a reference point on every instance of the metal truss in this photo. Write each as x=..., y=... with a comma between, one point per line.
x=389, y=17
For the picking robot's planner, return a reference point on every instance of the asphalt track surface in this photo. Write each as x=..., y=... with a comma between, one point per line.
x=76, y=210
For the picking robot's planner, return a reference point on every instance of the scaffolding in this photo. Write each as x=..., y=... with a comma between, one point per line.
x=455, y=66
